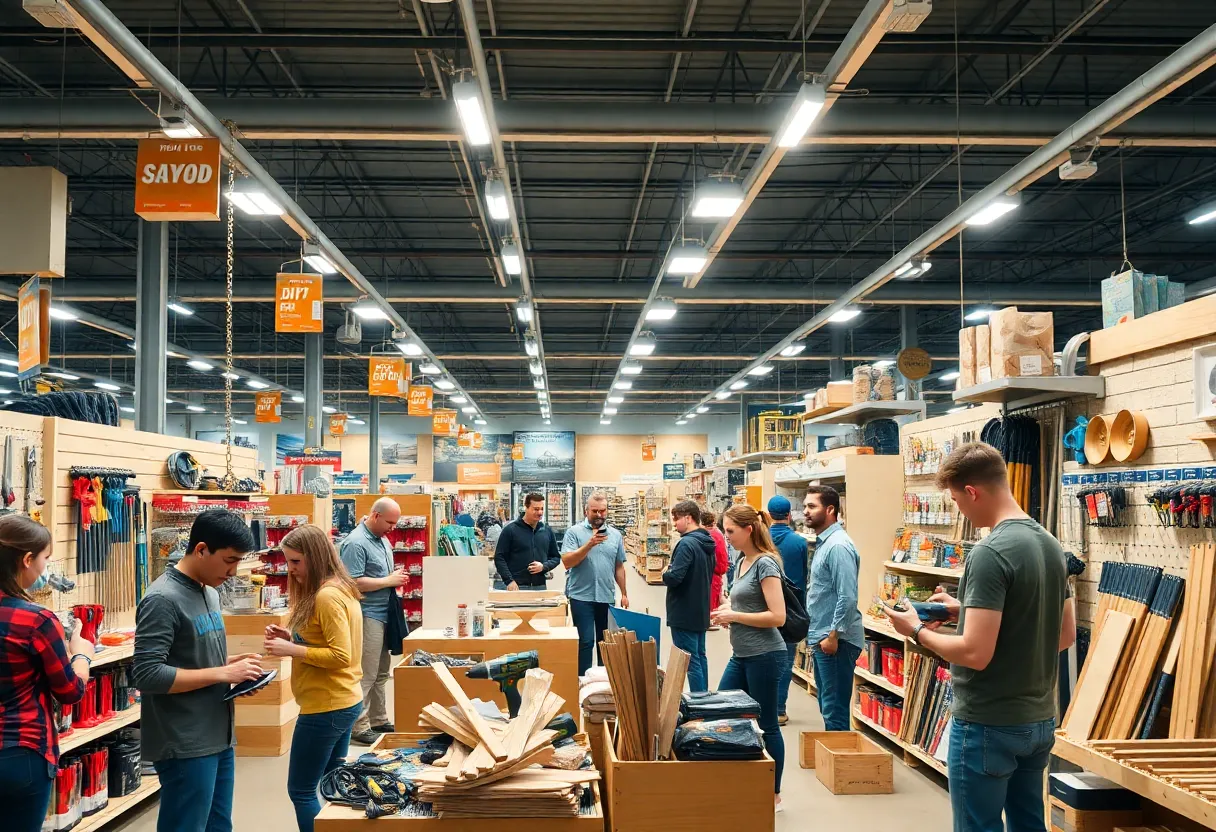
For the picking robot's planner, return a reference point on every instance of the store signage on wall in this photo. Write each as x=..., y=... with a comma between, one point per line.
x=337, y=424
x=421, y=400
x=315, y=456
x=913, y=363
x=477, y=473
x=673, y=470
x=649, y=448
x=476, y=440
x=299, y=303
x=640, y=477
x=548, y=456
x=387, y=376
x=464, y=437
x=33, y=328
x=517, y=450
x=443, y=422
x=178, y=180
x=268, y=406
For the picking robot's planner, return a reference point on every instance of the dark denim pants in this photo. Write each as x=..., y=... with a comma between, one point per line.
x=787, y=676
x=318, y=746
x=692, y=642
x=834, y=683
x=999, y=768
x=758, y=677
x=196, y=793
x=25, y=788
x=591, y=620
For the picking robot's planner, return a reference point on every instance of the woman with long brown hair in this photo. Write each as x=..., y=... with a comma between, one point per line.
x=754, y=611
x=324, y=635
x=34, y=669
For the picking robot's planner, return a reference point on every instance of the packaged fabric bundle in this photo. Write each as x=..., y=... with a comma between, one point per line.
x=718, y=704
x=966, y=357
x=719, y=739
x=873, y=384
x=1022, y=343
x=983, y=354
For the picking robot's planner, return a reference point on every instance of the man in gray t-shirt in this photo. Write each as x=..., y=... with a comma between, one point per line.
x=369, y=560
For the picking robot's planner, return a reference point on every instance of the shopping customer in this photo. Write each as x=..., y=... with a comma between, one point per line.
x=793, y=549
x=183, y=671
x=836, y=637
x=1015, y=615
x=490, y=528
x=687, y=578
x=368, y=558
x=325, y=637
x=594, y=555
x=37, y=665
x=721, y=560
x=527, y=549
x=754, y=612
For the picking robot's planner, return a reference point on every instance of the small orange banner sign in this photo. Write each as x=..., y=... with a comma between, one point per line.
x=517, y=450
x=464, y=437
x=443, y=422
x=33, y=327
x=386, y=376
x=299, y=304
x=337, y=424
x=477, y=473
x=268, y=406
x=476, y=440
x=178, y=180
x=421, y=400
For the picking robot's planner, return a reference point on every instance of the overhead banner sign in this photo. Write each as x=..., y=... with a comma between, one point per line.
x=33, y=328
x=421, y=400
x=299, y=304
x=268, y=407
x=443, y=422
x=649, y=448
x=178, y=180
x=464, y=438
x=477, y=473
x=315, y=456
x=337, y=424
x=387, y=376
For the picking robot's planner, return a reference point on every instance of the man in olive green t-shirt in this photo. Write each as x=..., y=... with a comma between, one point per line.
x=1015, y=615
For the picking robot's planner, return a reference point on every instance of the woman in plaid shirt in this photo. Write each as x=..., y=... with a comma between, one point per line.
x=34, y=667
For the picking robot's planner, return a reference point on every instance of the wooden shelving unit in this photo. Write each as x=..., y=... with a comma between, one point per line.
x=919, y=754
x=857, y=414
x=881, y=681
x=924, y=569
x=84, y=736
x=775, y=432
x=113, y=654
x=118, y=805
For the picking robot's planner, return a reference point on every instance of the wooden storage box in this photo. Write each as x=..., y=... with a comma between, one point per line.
x=416, y=687
x=1065, y=818
x=840, y=393
x=264, y=740
x=687, y=796
x=655, y=563
x=846, y=762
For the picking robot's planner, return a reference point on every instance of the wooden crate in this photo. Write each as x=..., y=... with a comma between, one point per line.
x=266, y=719
x=264, y=740
x=416, y=687
x=1065, y=818
x=688, y=796
x=267, y=715
x=846, y=762
x=656, y=563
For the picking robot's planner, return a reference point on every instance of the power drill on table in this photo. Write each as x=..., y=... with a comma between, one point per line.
x=507, y=671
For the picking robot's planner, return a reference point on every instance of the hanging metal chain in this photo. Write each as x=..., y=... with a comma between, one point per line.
x=1123, y=214
x=229, y=476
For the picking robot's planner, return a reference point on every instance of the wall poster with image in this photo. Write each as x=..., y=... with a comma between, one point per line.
x=548, y=456
x=449, y=455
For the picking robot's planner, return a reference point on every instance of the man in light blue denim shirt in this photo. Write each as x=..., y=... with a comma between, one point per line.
x=836, y=637
x=594, y=555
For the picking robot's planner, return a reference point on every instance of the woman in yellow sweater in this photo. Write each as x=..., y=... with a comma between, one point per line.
x=325, y=637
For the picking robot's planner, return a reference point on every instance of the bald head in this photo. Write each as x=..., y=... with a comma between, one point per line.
x=384, y=515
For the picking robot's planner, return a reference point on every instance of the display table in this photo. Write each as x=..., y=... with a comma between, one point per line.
x=557, y=617
x=416, y=687
x=264, y=720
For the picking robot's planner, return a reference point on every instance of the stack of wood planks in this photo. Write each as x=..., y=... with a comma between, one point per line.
x=645, y=724
x=1186, y=763
x=490, y=769
x=1194, y=711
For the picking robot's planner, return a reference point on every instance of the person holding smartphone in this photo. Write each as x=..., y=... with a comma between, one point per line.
x=594, y=555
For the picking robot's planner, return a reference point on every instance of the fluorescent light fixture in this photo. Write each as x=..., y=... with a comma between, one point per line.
x=200, y=365
x=479, y=421
x=547, y=422
x=610, y=411
x=5, y=391
x=249, y=196
x=61, y=314
x=802, y=114
x=681, y=421
x=631, y=368
x=8, y=362
x=327, y=409
x=468, y=409
x=717, y=199
x=298, y=399
x=644, y=345
x=662, y=309
x=523, y=309
x=809, y=395
x=793, y=349
x=761, y=370
x=369, y=311
x=622, y=384
x=467, y=95
x=738, y=385
x=511, y=263
x=430, y=369
x=64, y=376
x=7, y=374
x=237, y=421
x=605, y=421
x=995, y=209
x=722, y=395
x=315, y=258
x=497, y=201
x=913, y=268
x=196, y=408
x=458, y=400
x=170, y=401
x=106, y=385
x=530, y=346
x=177, y=307
x=177, y=124
x=978, y=314
x=542, y=395
x=690, y=415
x=616, y=399
x=255, y=384
x=702, y=409
x=232, y=376
x=950, y=376
x=539, y=383
x=126, y=409
x=885, y=362
x=1205, y=213
x=444, y=384
x=843, y=315
x=685, y=258
x=409, y=348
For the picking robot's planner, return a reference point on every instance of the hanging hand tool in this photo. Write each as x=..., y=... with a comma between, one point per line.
x=7, y=497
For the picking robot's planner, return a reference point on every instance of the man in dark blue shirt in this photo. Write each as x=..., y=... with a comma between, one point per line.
x=526, y=549
x=793, y=549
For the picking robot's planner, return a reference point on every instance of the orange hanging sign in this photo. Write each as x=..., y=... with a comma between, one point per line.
x=33, y=328
x=443, y=422
x=517, y=450
x=464, y=438
x=648, y=452
x=478, y=473
x=337, y=424
x=268, y=407
x=476, y=440
x=421, y=400
x=387, y=376
x=299, y=304
x=178, y=180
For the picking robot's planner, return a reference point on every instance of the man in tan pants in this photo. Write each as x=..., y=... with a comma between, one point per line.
x=369, y=559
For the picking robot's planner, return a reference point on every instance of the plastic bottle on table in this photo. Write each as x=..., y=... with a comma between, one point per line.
x=462, y=620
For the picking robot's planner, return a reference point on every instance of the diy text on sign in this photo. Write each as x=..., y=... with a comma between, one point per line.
x=298, y=304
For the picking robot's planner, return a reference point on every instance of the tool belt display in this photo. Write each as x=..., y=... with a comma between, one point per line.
x=377, y=782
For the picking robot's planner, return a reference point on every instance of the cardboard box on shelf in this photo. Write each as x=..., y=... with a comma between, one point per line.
x=839, y=393
x=1022, y=343
x=966, y=357
x=983, y=354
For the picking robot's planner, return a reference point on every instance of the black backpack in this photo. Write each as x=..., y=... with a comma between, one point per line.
x=797, y=623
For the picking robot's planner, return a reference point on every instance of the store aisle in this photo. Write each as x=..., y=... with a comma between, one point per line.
x=261, y=800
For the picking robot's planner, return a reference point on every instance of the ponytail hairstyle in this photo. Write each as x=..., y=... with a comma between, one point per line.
x=744, y=516
x=324, y=567
x=19, y=536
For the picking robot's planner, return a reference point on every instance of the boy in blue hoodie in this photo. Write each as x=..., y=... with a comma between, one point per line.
x=793, y=548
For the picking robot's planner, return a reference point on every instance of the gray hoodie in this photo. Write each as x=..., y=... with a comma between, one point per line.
x=179, y=624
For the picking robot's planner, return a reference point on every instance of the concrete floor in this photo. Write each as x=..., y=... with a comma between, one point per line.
x=261, y=803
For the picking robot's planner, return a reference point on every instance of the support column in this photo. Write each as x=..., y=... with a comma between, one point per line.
x=151, y=324
x=836, y=371
x=373, y=438
x=907, y=338
x=313, y=384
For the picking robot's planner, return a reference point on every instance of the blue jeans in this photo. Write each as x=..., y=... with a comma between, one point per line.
x=757, y=676
x=591, y=620
x=787, y=675
x=25, y=788
x=196, y=793
x=318, y=746
x=692, y=642
x=834, y=681
x=995, y=768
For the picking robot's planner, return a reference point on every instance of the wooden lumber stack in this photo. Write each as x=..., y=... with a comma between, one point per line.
x=644, y=727
x=1186, y=763
x=1194, y=710
x=1118, y=719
